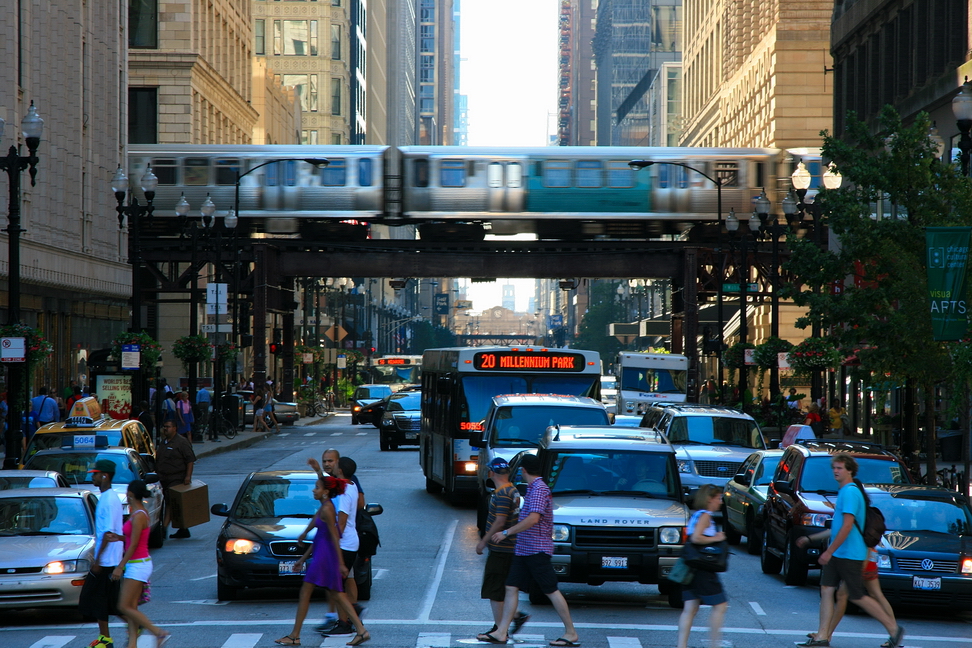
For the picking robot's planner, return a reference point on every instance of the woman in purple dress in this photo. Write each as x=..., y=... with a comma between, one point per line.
x=325, y=569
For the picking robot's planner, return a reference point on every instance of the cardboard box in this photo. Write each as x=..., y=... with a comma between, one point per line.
x=190, y=504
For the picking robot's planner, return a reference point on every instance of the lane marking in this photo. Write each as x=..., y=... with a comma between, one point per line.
x=434, y=640
x=52, y=641
x=379, y=573
x=757, y=608
x=337, y=433
x=306, y=434
x=203, y=577
x=624, y=642
x=362, y=434
x=203, y=602
x=284, y=434
x=439, y=570
x=242, y=640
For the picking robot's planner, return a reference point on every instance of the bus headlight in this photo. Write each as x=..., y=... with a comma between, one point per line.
x=471, y=466
x=561, y=533
x=670, y=535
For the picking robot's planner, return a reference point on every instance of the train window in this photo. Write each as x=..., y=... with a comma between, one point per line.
x=494, y=175
x=682, y=174
x=620, y=175
x=195, y=172
x=270, y=175
x=289, y=172
x=589, y=173
x=421, y=168
x=226, y=170
x=514, y=175
x=556, y=173
x=365, y=170
x=335, y=174
x=165, y=170
x=727, y=173
x=663, y=175
x=452, y=173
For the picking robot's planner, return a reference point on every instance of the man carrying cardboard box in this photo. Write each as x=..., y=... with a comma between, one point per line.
x=174, y=459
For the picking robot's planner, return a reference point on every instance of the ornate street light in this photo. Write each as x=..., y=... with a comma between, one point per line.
x=962, y=109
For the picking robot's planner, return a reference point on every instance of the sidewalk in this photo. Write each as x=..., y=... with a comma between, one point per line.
x=246, y=438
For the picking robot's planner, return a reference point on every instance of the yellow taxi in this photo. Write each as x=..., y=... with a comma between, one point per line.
x=86, y=421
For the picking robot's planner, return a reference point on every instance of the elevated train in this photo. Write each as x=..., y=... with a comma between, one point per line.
x=553, y=192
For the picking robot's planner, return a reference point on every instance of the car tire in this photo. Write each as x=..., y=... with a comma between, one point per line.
x=382, y=442
x=354, y=421
x=794, y=566
x=363, y=577
x=675, y=596
x=664, y=586
x=157, y=536
x=224, y=592
x=431, y=487
x=733, y=537
x=769, y=563
x=754, y=535
x=392, y=446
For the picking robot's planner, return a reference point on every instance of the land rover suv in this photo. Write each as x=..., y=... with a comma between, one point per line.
x=711, y=441
x=801, y=498
x=617, y=500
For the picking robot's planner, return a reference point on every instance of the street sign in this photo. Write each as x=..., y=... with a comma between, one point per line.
x=342, y=361
x=217, y=328
x=131, y=356
x=13, y=349
x=216, y=293
x=335, y=333
x=556, y=321
x=734, y=287
x=217, y=309
x=464, y=304
x=441, y=303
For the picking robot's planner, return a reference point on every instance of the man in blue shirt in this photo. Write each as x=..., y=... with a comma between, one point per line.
x=843, y=561
x=46, y=408
x=204, y=401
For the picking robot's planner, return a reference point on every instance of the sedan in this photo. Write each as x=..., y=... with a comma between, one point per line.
x=401, y=420
x=744, y=498
x=46, y=546
x=925, y=556
x=365, y=395
x=31, y=479
x=74, y=464
x=372, y=413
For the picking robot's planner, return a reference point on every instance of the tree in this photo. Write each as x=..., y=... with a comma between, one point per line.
x=869, y=292
x=601, y=311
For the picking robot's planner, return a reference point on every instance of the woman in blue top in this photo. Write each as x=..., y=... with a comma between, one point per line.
x=705, y=588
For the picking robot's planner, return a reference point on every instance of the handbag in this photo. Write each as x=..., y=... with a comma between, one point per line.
x=708, y=557
x=681, y=573
x=146, y=594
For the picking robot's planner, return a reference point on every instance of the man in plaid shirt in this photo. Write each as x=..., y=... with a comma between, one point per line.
x=531, y=560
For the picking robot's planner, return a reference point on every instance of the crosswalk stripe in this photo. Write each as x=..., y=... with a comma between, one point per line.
x=362, y=434
x=309, y=433
x=434, y=640
x=337, y=433
x=52, y=641
x=242, y=640
x=624, y=642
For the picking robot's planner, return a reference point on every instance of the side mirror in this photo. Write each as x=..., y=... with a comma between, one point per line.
x=477, y=441
x=220, y=509
x=371, y=509
x=743, y=478
x=151, y=477
x=783, y=487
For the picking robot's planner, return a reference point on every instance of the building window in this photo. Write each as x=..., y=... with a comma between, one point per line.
x=143, y=24
x=277, y=38
x=427, y=69
x=426, y=105
x=336, y=42
x=260, y=33
x=427, y=45
x=335, y=96
x=335, y=3
x=336, y=139
x=295, y=37
x=308, y=137
x=143, y=115
x=427, y=15
x=305, y=87
x=666, y=23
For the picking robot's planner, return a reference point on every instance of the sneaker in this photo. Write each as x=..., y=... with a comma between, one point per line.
x=101, y=642
x=327, y=626
x=341, y=628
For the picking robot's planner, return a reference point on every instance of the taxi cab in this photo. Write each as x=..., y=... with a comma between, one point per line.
x=86, y=420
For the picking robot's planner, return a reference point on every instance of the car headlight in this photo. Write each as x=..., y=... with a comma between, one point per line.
x=816, y=519
x=66, y=567
x=561, y=533
x=884, y=561
x=684, y=466
x=357, y=408
x=241, y=546
x=670, y=535
x=966, y=566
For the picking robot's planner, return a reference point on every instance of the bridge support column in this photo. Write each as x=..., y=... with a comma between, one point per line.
x=690, y=301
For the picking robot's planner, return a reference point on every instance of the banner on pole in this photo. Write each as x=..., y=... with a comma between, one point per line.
x=947, y=255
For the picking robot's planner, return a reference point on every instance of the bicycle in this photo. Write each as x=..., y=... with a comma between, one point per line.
x=221, y=425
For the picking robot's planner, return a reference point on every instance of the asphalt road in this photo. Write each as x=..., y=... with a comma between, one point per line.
x=427, y=577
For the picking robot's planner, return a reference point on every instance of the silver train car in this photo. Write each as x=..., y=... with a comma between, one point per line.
x=553, y=192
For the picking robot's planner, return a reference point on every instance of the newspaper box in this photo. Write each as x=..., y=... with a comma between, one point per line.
x=190, y=504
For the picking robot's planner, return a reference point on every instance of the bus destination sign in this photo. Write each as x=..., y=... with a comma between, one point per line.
x=555, y=361
x=394, y=361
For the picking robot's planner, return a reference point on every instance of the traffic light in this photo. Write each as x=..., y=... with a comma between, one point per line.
x=277, y=335
x=275, y=347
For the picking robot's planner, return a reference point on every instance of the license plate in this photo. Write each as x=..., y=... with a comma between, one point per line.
x=612, y=562
x=286, y=568
x=411, y=435
x=926, y=583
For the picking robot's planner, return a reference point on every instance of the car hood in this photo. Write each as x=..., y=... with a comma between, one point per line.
x=617, y=511
x=921, y=542
x=35, y=551
x=410, y=414
x=820, y=502
x=286, y=528
x=712, y=453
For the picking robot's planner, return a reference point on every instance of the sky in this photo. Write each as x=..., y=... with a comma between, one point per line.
x=509, y=73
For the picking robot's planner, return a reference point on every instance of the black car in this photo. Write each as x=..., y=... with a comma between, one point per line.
x=365, y=395
x=925, y=556
x=401, y=420
x=372, y=413
x=257, y=544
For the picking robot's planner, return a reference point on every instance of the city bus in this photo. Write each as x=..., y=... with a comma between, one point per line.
x=458, y=385
x=646, y=378
x=396, y=370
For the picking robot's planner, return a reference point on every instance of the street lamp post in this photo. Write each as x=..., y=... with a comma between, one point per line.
x=962, y=109
x=219, y=363
x=732, y=224
x=32, y=127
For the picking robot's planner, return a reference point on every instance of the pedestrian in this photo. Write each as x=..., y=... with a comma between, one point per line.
x=174, y=461
x=268, y=412
x=169, y=408
x=184, y=417
x=99, y=594
x=259, y=424
x=503, y=505
x=838, y=418
x=813, y=419
x=531, y=557
x=74, y=398
x=204, y=401
x=44, y=408
x=843, y=560
x=705, y=588
x=145, y=418
x=325, y=568
x=135, y=567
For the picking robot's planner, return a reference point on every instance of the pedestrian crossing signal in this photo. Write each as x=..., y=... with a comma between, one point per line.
x=275, y=348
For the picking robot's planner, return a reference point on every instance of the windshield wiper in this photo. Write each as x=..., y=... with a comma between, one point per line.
x=574, y=491
x=529, y=442
x=41, y=533
x=821, y=491
x=629, y=492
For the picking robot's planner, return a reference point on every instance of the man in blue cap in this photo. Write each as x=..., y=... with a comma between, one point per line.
x=503, y=507
x=99, y=594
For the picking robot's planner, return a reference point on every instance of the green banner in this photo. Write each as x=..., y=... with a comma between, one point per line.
x=947, y=250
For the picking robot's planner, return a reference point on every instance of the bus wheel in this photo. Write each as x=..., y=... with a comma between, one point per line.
x=431, y=487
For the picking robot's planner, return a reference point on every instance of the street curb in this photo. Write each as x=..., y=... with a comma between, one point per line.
x=239, y=442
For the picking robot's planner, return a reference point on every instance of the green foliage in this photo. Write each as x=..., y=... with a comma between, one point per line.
x=766, y=354
x=813, y=354
x=190, y=349
x=593, y=330
x=735, y=356
x=426, y=336
x=151, y=350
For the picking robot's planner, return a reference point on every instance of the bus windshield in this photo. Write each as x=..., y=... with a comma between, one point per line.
x=480, y=389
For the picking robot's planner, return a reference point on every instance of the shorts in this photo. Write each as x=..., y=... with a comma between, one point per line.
x=535, y=568
x=349, y=557
x=870, y=570
x=139, y=569
x=258, y=414
x=848, y=572
x=99, y=595
x=705, y=588
x=494, y=575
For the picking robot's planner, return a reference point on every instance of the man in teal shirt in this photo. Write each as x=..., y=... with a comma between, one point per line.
x=843, y=561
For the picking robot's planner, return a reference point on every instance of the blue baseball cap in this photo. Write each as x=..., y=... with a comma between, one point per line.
x=499, y=463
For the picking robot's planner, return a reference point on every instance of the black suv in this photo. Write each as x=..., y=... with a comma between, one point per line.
x=801, y=499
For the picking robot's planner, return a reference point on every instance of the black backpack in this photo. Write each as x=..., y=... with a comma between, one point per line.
x=874, y=526
x=367, y=533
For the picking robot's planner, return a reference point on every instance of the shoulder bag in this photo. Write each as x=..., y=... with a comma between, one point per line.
x=681, y=573
x=707, y=557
